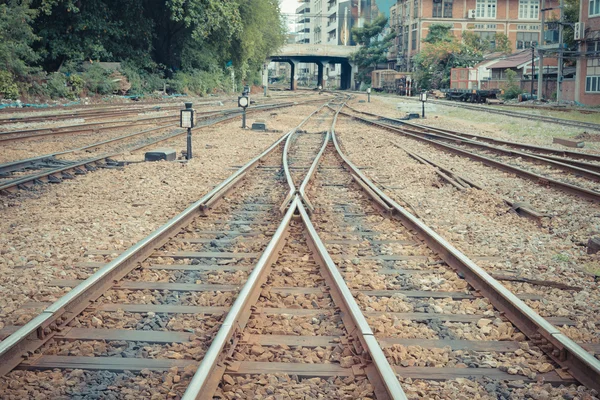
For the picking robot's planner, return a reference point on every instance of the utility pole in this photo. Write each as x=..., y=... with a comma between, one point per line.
x=533, y=70
x=560, y=54
x=540, y=95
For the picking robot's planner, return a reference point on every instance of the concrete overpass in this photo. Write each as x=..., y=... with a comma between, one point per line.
x=320, y=54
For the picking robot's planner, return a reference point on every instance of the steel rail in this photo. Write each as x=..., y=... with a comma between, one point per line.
x=41, y=328
x=567, y=187
x=543, y=118
x=582, y=365
x=385, y=375
x=286, y=168
x=12, y=185
x=18, y=164
x=208, y=374
x=434, y=133
x=311, y=172
x=541, y=149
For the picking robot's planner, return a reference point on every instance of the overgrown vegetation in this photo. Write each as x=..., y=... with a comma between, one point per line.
x=51, y=48
x=512, y=89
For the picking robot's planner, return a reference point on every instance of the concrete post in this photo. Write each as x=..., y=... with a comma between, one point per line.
x=294, y=77
x=265, y=77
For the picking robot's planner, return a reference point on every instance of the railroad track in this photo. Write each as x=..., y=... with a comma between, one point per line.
x=516, y=114
x=330, y=307
x=567, y=174
x=56, y=167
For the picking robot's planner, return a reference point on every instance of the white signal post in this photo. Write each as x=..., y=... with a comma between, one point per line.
x=186, y=120
x=243, y=102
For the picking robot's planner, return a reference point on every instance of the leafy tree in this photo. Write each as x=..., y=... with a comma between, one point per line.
x=374, y=46
x=17, y=37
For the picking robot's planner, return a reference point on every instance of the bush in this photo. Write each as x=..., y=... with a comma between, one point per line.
x=8, y=86
x=77, y=84
x=56, y=86
x=512, y=90
x=199, y=82
x=98, y=80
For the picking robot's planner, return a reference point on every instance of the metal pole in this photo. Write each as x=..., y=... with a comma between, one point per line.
x=369, y=97
x=244, y=118
x=533, y=71
x=188, y=155
x=423, y=111
x=540, y=54
x=560, y=54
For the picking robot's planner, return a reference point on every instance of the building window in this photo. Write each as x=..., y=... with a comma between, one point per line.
x=592, y=84
x=413, y=44
x=490, y=37
x=593, y=47
x=594, y=8
x=529, y=9
x=486, y=9
x=527, y=39
x=442, y=9
x=416, y=8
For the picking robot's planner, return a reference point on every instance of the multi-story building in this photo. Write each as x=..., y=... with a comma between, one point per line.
x=587, y=32
x=517, y=19
x=333, y=20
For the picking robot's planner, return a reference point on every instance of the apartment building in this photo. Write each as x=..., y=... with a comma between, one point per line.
x=518, y=19
x=332, y=20
x=587, y=32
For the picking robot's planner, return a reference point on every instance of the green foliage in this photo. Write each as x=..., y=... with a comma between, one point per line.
x=155, y=40
x=8, y=86
x=373, y=48
x=199, y=83
x=98, y=81
x=56, y=86
x=17, y=37
x=439, y=33
x=512, y=89
x=77, y=84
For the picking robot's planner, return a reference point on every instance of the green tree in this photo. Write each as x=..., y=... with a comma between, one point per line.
x=17, y=37
x=374, y=46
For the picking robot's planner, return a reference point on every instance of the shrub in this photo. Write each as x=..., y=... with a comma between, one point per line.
x=512, y=89
x=8, y=86
x=56, y=86
x=98, y=80
x=77, y=84
x=199, y=82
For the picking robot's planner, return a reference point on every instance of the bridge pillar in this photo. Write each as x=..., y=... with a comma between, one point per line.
x=345, y=78
x=321, y=73
x=294, y=77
